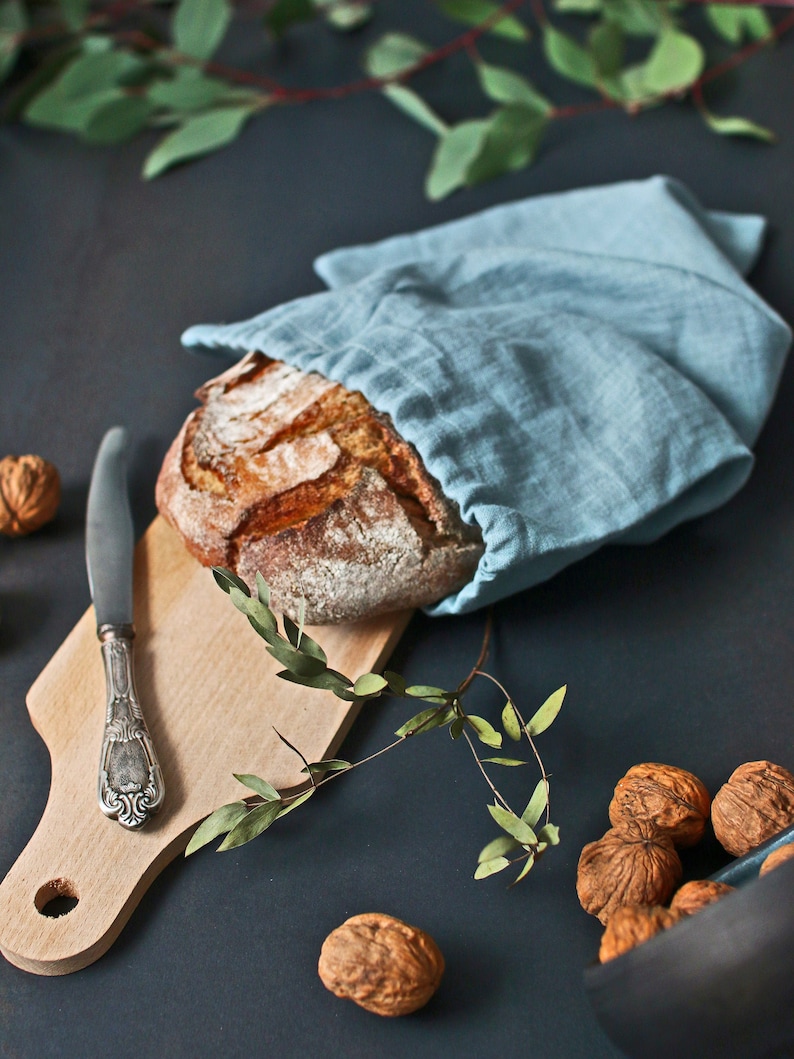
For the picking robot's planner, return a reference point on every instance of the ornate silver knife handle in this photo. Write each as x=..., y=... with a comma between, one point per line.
x=130, y=787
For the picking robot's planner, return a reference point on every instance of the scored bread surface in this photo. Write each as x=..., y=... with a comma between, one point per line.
x=286, y=473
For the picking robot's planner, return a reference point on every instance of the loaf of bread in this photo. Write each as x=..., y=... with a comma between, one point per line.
x=283, y=472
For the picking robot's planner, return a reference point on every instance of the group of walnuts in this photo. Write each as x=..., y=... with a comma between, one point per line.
x=627, y=877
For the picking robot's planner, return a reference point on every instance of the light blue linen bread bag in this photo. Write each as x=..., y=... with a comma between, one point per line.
x=575, y=369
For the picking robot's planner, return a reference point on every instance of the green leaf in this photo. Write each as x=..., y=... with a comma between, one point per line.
x=197, y=136
x=513, y=825
x=568, y=57
x=456, y=728
x=427, y=692
x=254, y=822
x=226, y=580
x=300, y=664
x=475, y=12
x=348, y=16
x=328, y=680
x=455, y=152
x=396, y=682
x=736, y=126
x=406, y=100
x=638, y=18
x=94, y=71
x=118, y=120
x=425, y=720
x=393, y=54
x=506, y=86
x=370, y=684
x=260, y=786
x=292, y=630
x=188, y=90
x=498, y=847
x=74, y=12
x=262, y=617
x=737, y=22
x=607, y=47
x=486, y=732
x=529, y=864
x=262, y=590
x=217, y=823
x=544, y=717
x=537, y=804
x=296, y=802
x=511, y=143
x=511, y=761
x=549, y=834
x=285, y=13
x=578, y=7
x=51, y=110
x=312, y=648
x=199, y=26
x=675, y=61
x=510, y=721
x=491, y=867
x=333, y=764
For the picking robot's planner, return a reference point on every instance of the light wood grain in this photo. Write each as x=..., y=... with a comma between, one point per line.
x=211, y=700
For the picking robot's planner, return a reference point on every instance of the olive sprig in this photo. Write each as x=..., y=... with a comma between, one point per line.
x=521, y=841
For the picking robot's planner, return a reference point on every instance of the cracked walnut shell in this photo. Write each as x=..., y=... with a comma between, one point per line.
x=756, y=803
x=30, y=492
x=633, y=924
x=637, y=865
x=674, y=800
x=381, y=963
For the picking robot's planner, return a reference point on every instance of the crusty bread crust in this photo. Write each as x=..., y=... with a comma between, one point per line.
x=283, y=472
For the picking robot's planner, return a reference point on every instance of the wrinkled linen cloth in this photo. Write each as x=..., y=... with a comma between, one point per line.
x=575, y=369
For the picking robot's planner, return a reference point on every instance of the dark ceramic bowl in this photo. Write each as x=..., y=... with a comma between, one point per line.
x=717, y=985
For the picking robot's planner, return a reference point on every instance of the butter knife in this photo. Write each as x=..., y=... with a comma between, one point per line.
x=130, y=784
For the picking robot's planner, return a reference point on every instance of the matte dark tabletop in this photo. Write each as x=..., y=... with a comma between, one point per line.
x=678, y=652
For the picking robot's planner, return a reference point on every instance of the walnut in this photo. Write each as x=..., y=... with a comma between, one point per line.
x=636, y=865
x=672, y=798
x=756, y=803
x=697, y=894
x=30, y=492
x=381, y=963
x=633, y=924
x=776, y=858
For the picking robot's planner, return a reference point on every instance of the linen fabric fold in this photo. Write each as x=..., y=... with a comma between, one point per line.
x=575, y=369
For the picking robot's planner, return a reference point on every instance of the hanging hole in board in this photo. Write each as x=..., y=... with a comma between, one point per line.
x=56, y=898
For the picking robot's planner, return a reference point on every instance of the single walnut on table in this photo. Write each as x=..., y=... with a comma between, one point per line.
x=756, y=803
x=30, y=492
x=381, y=963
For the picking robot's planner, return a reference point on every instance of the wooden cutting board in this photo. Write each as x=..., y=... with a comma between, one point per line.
x=211, y=701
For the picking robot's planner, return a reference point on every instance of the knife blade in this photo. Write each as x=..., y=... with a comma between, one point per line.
x=130, y=785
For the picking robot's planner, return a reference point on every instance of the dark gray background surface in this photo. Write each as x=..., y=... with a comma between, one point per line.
x=678, y=652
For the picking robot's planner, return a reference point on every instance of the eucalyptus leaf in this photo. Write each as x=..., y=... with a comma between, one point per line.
x=262, y=590
x=90, y=73
x=301, y=798
x=498, y=847
x=425, y=720
x=311, y=647
x=606, y=43
x=485, y=731
x=544, y=717
x=199, y=26
x=568, y=57
x=509, y=761
x=491, y=867
x=504, y=85
x=348, y=16
x=537, y=803
x=226, y=579
x=412, y=104
x=455, y=152
x=511, y=143
x=51, y=110
x=328, y=680
x=550, y=834
x=259, y=786
x=738, y=22
x=428, y=692
x=675, y=62
x=737, y=126
x=396, y=682
x=578, y=7
x=118, y=120
x=300, y=664
x=254, y=822
x=513, y=825
x=334, y=764
x=529, y=864
x=475, y=12
x=217, y=823
x=188, y=90
x=639, y=18
x=393, y=54
x=370, y=684
x=197, y=136
x=456, y=728
x=510, y=722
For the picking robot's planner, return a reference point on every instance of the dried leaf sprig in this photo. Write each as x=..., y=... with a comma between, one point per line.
x=521, y=841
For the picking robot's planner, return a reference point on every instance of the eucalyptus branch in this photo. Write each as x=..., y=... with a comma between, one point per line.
x=306, y=663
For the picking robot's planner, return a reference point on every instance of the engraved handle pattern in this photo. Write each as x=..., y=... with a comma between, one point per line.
x=130, y=787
